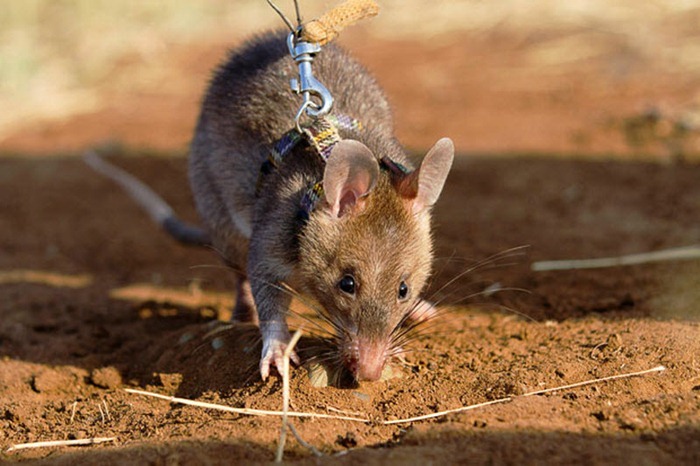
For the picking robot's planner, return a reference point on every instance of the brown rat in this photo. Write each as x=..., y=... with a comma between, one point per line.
x=365, y=251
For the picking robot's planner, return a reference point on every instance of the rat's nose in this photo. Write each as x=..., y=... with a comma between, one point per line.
x=367, y=362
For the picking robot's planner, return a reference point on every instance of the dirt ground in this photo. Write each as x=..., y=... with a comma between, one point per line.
x=95, y=299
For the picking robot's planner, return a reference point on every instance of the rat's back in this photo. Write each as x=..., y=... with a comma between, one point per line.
x=247, y=107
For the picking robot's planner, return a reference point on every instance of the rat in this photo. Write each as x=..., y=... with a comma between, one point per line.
x=363, y=253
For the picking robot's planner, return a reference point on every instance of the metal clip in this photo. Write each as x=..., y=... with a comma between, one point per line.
x=317, y=99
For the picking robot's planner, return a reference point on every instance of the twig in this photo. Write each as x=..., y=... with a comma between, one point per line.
x=60, y=443
x=684, y=253
x=72, y=414
x=244, y=411
x=538, y=392
x=302, y=442
x=109, y=416
x=102, y=414
x=285, y=395
x=342, y=411
x=445, y=413
x=590, y=382
x=257, y=412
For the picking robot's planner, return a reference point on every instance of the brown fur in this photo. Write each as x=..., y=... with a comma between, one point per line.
x=379, y=234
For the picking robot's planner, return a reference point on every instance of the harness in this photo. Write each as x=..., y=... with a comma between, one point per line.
x=321, y=135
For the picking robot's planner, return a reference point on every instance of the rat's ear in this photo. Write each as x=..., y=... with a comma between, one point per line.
x=428, y=180
x=350, y=174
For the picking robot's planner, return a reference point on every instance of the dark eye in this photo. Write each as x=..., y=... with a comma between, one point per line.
x=347, y=284
x=403, y=291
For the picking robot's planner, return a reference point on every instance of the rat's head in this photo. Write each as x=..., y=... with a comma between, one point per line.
x=366, y=251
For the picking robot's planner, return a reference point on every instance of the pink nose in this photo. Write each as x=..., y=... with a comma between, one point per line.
x=367, y=363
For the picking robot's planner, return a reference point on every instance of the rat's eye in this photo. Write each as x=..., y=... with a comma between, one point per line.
x=347, y=284
x=403, y=291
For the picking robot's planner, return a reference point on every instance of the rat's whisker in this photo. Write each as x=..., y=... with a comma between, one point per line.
x=211, y=266
x=486, y=292
x=285, y=288
x=414, y=335
x=491, y=262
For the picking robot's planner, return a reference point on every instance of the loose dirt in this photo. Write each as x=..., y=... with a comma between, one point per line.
x=96, y=299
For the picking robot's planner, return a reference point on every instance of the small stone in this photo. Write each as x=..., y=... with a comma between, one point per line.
x=362, y=396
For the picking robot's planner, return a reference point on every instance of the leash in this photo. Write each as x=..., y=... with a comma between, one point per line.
x=321, y=133
x=305, y=42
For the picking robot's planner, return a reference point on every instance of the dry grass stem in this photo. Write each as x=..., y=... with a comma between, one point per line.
x=244, y=411
x=109, y=416
x=538, y=392
x=72, y=413
x=590, y=382
x=445, y=413
x=303, y=442
x=342, y=411
x=60, y=443
x=257, y=412
x=285, y=395
x=685, y=253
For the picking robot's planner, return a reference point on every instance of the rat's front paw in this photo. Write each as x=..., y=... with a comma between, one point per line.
x=273, y=353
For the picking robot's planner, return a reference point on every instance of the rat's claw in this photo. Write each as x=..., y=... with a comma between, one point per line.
x=273, y=354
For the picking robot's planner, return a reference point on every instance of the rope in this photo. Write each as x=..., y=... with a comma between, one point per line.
x=327, y=27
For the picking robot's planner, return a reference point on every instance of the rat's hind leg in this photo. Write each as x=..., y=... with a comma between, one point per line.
x=233, y=250
x=244, y=310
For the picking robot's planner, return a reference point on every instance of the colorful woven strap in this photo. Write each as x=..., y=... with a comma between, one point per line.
x=321, y=134
x=284, y=146
x=310, y=200
x=314, y=193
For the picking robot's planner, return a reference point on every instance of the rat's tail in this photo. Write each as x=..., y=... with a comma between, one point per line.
x=149, y=201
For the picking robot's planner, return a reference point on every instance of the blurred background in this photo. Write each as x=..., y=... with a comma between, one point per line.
x=583, y=77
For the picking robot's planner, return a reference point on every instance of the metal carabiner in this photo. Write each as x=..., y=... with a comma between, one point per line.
x=317, y=99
